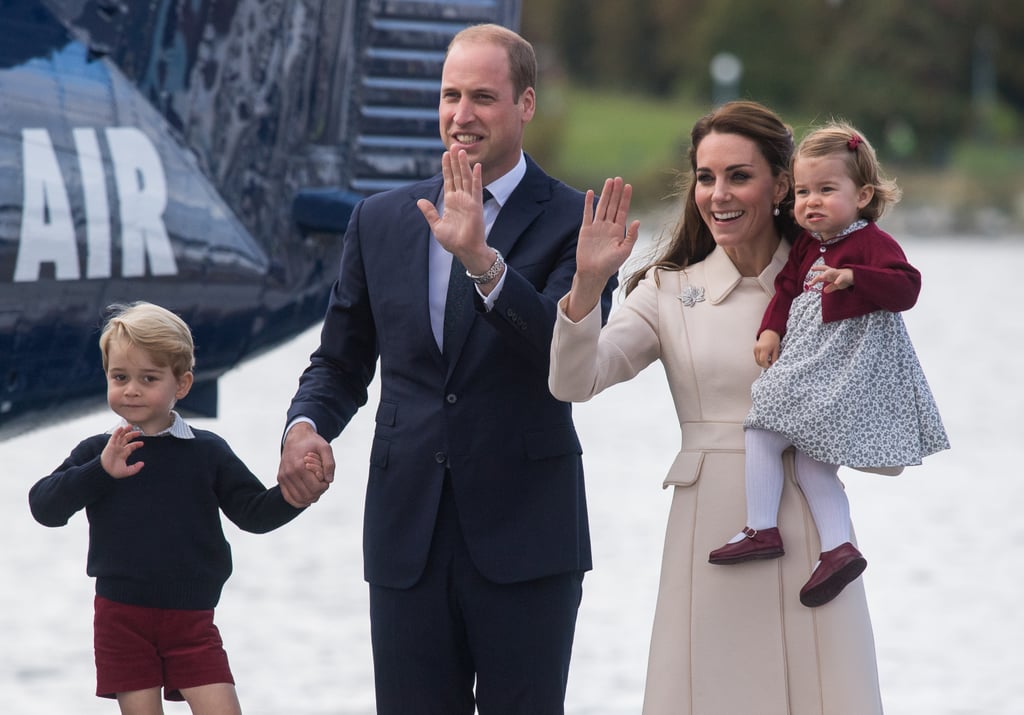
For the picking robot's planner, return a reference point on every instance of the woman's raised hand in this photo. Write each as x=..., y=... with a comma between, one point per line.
x=605, y=243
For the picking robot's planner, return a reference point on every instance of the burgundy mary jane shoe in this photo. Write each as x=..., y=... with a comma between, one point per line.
x=763, y=544
x=836, y=570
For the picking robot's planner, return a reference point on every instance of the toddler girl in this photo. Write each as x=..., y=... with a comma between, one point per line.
x=841, y=382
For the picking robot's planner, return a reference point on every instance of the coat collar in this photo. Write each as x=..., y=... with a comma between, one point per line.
x=721, y=276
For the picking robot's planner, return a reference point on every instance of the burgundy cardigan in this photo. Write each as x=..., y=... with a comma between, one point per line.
x=882, y=278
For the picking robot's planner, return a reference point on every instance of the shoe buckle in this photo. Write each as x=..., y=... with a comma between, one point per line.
x=749, y=533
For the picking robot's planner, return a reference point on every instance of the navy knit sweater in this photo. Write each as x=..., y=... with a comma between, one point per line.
x=155, y=538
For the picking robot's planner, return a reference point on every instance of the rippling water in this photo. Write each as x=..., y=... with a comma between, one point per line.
x=945, y=541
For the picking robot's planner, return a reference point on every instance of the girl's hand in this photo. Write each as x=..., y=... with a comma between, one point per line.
x=114, y=458
x=766, y=349
x=835, y=278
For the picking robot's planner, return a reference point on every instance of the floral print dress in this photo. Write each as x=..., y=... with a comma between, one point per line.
x=849, y=392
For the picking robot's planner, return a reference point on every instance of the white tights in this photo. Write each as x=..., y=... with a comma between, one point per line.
x=819, y=482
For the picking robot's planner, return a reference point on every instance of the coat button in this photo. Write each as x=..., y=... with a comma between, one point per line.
x=452, y=398
x=440, y=457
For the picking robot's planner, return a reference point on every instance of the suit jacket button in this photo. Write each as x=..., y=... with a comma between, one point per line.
x=452, y=398
x=440, y=457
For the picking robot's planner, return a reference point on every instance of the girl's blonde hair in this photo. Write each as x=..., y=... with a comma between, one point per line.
x=842, y=139
x=162, y=334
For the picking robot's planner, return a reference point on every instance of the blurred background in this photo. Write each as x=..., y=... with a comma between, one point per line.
x=936, y=85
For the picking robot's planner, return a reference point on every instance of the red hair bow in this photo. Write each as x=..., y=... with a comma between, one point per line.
x=853, y=142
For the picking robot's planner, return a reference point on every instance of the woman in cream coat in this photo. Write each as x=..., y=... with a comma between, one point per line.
x=736, y=640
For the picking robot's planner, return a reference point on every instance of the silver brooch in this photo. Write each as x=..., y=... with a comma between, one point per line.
x=691, y=295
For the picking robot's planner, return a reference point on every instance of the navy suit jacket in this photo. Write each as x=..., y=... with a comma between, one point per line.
x=483, y=412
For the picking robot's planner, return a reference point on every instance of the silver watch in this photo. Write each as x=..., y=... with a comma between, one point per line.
x=491, y=273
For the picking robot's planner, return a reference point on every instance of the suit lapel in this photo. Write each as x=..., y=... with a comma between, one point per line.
x=522, y=208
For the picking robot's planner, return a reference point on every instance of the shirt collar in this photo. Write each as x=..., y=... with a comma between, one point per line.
x=502, y=187
x=179, y=428
x=855, y=226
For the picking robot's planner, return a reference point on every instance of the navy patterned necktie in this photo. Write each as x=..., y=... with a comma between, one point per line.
x=459, y=287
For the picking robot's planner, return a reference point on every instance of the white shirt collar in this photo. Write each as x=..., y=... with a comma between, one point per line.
x=179, y=428
x=502, y=187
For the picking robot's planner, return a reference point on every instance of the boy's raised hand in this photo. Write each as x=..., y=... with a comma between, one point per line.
x=114, y=458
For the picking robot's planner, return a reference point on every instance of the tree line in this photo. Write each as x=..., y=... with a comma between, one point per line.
x=915, y=75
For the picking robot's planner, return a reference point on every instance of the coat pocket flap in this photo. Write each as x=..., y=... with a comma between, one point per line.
x=386, y=413
x=685, y=470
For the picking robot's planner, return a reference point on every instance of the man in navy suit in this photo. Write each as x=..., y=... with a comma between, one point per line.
x=475, y=527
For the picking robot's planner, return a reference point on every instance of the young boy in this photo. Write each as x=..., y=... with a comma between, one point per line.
x=152, y=489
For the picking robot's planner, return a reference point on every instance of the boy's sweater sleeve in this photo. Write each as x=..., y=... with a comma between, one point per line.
x=245, y=500
x=75, y=484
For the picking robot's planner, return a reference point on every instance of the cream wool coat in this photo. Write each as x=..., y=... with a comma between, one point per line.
x=727, y=640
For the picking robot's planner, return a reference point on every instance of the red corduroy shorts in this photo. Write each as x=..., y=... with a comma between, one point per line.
x=138, y=648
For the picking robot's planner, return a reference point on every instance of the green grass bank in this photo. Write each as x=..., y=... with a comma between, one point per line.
x=584, y=136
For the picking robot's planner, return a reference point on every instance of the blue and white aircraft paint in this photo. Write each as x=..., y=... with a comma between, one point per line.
x=203, y=155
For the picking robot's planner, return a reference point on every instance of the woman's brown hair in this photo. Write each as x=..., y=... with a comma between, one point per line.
x=691, y=240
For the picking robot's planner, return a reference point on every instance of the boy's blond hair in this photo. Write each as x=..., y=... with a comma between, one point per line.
x=162, y=334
